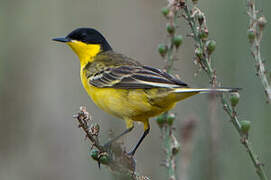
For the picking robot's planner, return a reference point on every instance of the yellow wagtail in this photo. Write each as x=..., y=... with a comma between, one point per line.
x=124, y=87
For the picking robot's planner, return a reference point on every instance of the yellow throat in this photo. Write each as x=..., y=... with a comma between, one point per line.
x=85, y=52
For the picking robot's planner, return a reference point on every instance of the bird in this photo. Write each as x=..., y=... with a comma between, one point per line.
x=122, y=86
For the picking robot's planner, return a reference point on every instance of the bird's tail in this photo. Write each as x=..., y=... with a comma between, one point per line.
x=205, y=90
x=183, y=93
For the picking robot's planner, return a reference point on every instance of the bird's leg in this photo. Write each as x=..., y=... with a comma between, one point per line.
x=146, y=132
x=108, y=144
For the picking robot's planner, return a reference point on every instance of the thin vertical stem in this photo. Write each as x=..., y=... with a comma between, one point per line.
x=206, y=65
x=255, y=39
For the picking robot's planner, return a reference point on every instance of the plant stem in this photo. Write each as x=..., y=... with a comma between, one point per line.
x=255, y=46
x=206, y=65
x=205, y=62
x=170, y=161
x=169, y=156
x=169, y=141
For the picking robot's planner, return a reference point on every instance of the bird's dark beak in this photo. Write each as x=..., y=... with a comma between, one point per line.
x=62, y=39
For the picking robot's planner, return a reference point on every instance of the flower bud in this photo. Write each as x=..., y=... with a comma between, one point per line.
x=94, y=129
x=170, y=28
x=245, y=126
x=162, y=49
x=199, y=53
x=170, y=118
x=104, y=159
x=251, y=34
x=262, y=22
x=165, y=11
x=94, y=153
x=83, y=108
x=200, y=18
x=203, y=35
x=234, y=98
x=177, y=40
x=175, y=145
x=210, y=46
x=160, y=120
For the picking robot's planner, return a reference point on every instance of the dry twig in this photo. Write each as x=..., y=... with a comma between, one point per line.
x=114, y=157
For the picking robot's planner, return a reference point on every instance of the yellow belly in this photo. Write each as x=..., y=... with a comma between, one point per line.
x=126, y=103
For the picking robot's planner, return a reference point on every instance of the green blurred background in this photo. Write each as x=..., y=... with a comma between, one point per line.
x=40, y=88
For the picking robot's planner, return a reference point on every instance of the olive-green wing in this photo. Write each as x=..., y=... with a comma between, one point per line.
x=134, y=77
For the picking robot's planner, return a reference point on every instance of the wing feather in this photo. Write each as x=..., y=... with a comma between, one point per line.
x=134, y=77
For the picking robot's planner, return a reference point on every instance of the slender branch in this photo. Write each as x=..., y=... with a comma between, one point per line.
x=171, y=145
x=114, y=157
x=168, y=135
x=203, y=57
x=83, y=118
x=255, y=34
x=170, y=161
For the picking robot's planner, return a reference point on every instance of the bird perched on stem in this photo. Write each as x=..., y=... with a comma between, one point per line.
x=124, y=87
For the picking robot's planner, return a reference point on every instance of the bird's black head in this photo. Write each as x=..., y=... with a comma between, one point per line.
x=88, y=36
